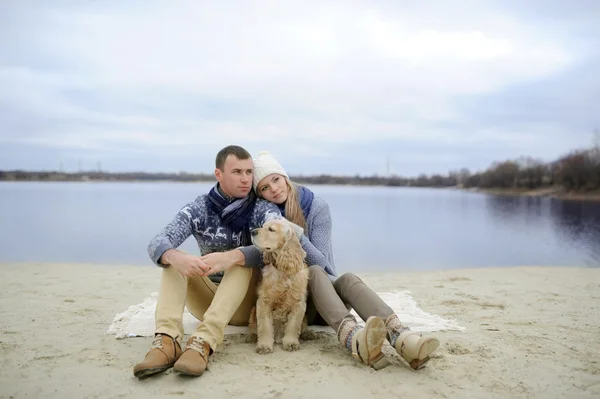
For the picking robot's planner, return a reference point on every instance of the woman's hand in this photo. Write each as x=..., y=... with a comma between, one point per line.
x=221, y=261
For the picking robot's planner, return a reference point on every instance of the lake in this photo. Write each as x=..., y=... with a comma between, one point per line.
x=374, y=228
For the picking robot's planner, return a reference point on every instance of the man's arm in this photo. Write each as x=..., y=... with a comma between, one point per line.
x=173, y=234
x=187, y=265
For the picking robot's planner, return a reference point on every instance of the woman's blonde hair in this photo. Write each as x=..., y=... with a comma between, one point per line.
x=293, y=210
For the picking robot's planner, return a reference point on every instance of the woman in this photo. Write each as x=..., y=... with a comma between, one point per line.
x=328, y=293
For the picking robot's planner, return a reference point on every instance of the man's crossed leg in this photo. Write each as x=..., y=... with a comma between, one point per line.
x=215, y=306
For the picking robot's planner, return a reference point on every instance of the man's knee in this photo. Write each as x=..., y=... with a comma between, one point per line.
x=235, y=269
x=172, y=274
x=238, y=274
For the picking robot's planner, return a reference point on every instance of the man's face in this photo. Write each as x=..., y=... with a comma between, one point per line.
x=236, y=177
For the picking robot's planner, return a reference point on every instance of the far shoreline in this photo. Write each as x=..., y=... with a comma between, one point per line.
x=549, y=192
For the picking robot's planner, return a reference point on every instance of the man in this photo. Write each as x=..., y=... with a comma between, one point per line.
x=221, y=222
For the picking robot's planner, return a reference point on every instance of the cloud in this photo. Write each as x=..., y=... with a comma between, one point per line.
x=310, y=81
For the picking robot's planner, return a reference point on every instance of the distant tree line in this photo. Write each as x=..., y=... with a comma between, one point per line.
x=102, y=176
x=576, y=171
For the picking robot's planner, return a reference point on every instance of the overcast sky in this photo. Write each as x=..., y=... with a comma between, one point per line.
x=327, y=86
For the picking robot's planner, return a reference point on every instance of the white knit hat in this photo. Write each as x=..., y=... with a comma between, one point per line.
x=264, y=165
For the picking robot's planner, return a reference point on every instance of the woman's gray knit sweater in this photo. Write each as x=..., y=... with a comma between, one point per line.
x=317, y=241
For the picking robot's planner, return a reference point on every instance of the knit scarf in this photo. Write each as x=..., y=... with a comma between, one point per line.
x=236, y=214
x=305, y=197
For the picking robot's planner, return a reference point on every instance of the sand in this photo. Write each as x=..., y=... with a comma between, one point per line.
x=532, y=332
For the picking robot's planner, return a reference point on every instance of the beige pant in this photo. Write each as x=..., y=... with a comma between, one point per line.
x=215, y=306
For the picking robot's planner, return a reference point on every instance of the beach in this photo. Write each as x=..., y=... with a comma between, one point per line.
x=531, y=332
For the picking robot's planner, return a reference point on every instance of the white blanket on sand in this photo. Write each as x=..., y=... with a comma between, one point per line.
x=138, y=320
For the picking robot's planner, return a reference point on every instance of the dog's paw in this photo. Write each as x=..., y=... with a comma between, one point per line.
x=264, y=349
x=291, y=344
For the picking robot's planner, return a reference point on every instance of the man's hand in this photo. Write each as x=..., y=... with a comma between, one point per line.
x=186, y=264
x=221, y=261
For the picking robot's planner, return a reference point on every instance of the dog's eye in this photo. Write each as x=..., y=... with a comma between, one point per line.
x=271, y=229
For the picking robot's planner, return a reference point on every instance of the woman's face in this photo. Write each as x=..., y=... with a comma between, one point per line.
x=273, y=188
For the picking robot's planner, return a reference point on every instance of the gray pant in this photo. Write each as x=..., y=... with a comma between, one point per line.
x=329, y=302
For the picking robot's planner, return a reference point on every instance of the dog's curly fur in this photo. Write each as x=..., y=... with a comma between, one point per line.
x=282, y=290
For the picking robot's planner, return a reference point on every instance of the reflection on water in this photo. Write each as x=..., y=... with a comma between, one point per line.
x=579, y=223
x=576, y=223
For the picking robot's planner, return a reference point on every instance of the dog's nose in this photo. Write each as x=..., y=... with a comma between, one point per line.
x=254, y=232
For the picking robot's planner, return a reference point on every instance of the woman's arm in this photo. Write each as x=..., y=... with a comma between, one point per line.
x=319, y=250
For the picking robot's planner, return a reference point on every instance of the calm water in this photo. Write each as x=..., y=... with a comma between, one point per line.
x=373, y=228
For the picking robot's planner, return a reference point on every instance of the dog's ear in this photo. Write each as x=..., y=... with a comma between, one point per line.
x=290, y=259
x=288, y=231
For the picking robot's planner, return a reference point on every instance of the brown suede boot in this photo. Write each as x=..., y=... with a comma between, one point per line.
x=164, y=353
x=194, y=359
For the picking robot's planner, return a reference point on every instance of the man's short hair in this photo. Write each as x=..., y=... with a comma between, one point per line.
x=235, y=150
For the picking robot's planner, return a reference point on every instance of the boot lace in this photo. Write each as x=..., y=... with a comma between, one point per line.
x=157, y=342
x=197, y=345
